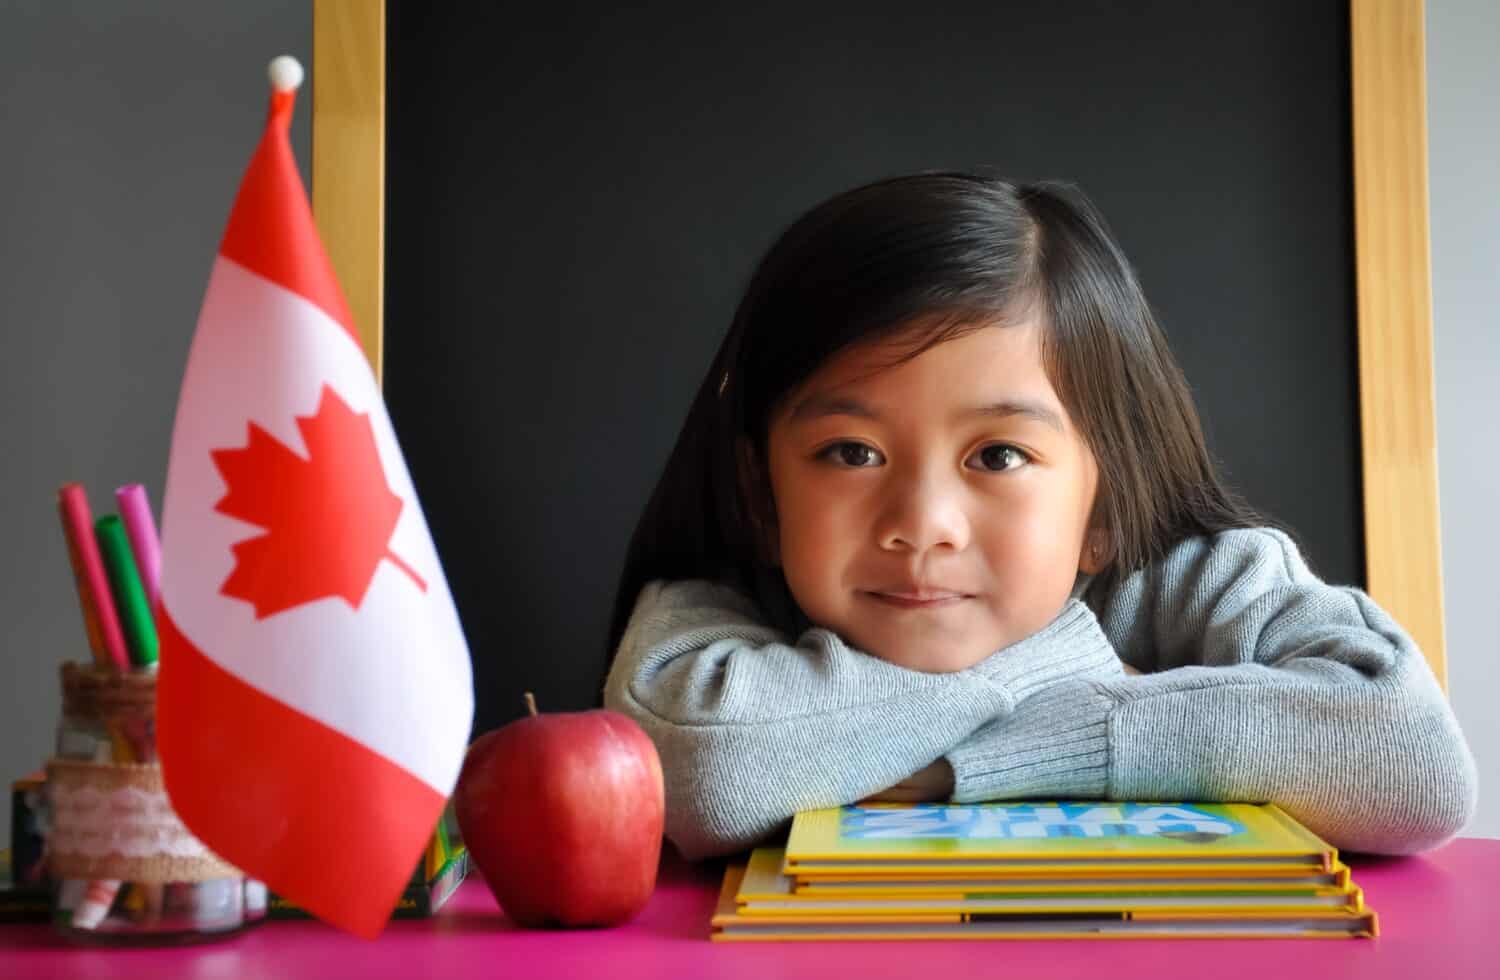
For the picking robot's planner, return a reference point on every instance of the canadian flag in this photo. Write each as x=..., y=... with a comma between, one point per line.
x=314, y=697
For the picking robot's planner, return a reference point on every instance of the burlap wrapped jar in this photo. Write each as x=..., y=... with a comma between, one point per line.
x=124, y=866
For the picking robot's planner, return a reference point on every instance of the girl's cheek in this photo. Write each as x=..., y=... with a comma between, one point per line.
x=1027, y=538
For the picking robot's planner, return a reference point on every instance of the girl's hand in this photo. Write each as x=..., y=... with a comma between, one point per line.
x=935, y=782
x=924, y=786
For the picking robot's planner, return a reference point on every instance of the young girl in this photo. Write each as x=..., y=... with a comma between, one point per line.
x=941, y=524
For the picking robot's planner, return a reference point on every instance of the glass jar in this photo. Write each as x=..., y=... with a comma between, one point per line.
x=124, y=869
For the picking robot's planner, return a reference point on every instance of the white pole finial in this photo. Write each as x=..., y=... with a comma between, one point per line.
x=285, y=72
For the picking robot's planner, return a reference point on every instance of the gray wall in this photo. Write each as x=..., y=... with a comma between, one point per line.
x=126, y=128
x=1463, y=89
x=125, y=136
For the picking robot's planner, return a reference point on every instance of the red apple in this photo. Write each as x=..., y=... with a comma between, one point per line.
x=563, y=813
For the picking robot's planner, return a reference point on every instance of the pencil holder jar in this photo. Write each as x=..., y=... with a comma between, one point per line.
x=124, y=868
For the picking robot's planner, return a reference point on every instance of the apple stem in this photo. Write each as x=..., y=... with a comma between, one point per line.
x=531, y=704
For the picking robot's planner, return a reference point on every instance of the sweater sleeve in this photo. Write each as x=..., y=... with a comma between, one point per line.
x=1261, y=683
x=752, y=728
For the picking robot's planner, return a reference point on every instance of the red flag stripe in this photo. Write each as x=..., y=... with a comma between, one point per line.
x=317, y=815
x=271, y=229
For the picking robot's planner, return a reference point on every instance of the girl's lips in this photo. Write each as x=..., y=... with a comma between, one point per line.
x=907, y=601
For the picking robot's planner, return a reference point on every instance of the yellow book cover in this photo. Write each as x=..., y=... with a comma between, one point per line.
x=1064, y=838
x=729, y=924
x=765, y=890
x=1275, y=879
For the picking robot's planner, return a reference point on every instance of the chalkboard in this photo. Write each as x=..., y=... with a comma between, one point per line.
x=575, y=200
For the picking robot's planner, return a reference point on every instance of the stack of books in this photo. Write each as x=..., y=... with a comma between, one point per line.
x=1042, y=871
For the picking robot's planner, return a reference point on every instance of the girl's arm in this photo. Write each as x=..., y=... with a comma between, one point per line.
x=752, y=728
x=1264, y=684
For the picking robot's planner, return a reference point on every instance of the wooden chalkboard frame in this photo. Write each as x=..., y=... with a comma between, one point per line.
x=1392, y=262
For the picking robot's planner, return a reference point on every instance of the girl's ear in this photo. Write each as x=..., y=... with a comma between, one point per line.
x=1097, y=551
x=760, y=504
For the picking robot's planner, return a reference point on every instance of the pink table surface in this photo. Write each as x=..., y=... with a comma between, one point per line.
x=1438, y=919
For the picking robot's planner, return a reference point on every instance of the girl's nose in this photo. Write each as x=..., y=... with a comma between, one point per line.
x=921, y=514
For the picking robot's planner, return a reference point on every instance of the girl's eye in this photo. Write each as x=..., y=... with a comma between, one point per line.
x=1000, y=457
x=855, y=455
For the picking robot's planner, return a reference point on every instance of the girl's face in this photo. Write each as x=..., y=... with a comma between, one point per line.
x=937, y=511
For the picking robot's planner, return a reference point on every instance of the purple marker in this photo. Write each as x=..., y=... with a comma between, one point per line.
x=140, y=528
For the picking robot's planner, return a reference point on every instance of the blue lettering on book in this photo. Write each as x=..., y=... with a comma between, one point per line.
x=990, y=821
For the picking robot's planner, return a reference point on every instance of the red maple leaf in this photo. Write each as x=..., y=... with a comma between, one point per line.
x=329, y=518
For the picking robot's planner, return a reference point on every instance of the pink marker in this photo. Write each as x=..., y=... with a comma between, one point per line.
x=140, y=528
x=88, y=569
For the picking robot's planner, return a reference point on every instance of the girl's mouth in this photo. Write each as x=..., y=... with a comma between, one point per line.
x=928, y=600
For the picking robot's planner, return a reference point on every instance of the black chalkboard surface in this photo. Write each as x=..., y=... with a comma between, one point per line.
x=576, y=198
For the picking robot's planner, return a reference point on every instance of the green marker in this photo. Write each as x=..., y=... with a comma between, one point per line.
x=129, y=594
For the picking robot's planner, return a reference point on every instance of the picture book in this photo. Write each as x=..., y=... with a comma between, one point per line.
x=1158, y=880
x=1052, y=839
x=21, y=902
x=420, y=899
x=27, y=864
x=24, y=888
x=442, y=868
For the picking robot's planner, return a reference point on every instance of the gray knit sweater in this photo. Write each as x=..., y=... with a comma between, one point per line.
x=1259, y=682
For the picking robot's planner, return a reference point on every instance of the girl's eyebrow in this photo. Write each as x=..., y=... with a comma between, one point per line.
x=821, y=405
